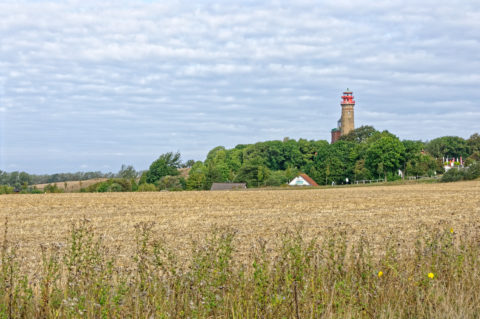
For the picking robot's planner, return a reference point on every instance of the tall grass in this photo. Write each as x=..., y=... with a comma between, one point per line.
x=324, y=277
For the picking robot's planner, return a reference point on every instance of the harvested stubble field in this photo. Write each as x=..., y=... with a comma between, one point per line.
x=376, y=212
x=408, y=251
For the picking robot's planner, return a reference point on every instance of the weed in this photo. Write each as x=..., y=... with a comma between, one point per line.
x=294, y=277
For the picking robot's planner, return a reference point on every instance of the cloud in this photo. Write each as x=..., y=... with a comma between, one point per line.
x=111, y=82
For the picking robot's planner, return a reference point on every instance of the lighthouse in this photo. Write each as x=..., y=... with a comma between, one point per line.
x=346, y=124
x=348, y=120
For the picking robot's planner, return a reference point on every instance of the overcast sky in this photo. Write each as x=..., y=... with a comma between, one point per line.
x=89, y=85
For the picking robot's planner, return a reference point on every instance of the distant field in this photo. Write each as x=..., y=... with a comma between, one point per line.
x=73, y=186
x=377, y=212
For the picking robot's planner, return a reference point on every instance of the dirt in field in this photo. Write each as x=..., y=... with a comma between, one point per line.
x=377, y=212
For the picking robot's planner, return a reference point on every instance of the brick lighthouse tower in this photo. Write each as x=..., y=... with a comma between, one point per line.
x=346, y=124
x=348, y=120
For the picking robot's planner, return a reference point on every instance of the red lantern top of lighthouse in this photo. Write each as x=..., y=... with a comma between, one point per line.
x=347, y=97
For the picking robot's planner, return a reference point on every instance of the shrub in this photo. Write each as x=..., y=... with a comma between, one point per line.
x=147, y=188
x=115, y=187
x=171, y=183
x=32, y=190
x=100, y=187
x=460, y=174
x=4, y=189
x=474, y=170
x=52, y=189
x=276, y=178
x=453, y=175
x=134, y=184
x=111, y=185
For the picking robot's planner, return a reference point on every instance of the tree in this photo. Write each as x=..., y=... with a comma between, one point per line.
x=188, y=163
x=413, y=148
x=234, y=160
x=420, y=165
x=359, y=135
x=214, y=174
x=196, y=181
x=253, y=173
x=197, y=177
x=166, y=165
x=276, y=178
x=475, y=157
x=257, y=153
x=275, y=158
x=291, y=153
x=335, y=162
x=413, y=158
x=143, y=178
x=213, y=153
x=474, y=143
x=360, y=171
x=448, y=146
x=309, y=149
x=127, y=172
x=171, y=183
x=291, y=172
x=4, y=178
x=24, y=178
x=334, y=170
x=385, y=155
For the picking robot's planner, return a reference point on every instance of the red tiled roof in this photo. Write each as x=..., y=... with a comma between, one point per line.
x=309, y=179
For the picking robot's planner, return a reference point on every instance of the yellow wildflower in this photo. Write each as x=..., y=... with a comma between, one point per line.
x=431, y=275
x=451, y=230
x=380, y=274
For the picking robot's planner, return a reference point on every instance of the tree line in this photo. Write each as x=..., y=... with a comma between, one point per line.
x=363, y=154
x=18, y=179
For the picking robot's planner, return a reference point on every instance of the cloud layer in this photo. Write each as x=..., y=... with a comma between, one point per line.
x=89, y=85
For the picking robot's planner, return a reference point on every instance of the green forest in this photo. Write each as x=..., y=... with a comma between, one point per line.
x=363, y=154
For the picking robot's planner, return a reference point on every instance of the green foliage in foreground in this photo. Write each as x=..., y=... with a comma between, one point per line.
x=291, y=277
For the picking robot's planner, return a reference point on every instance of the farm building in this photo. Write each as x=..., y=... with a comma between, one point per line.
x=303, y=180
x=227, y=186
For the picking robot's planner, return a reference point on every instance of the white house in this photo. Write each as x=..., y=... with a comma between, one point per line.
x=303, y=180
